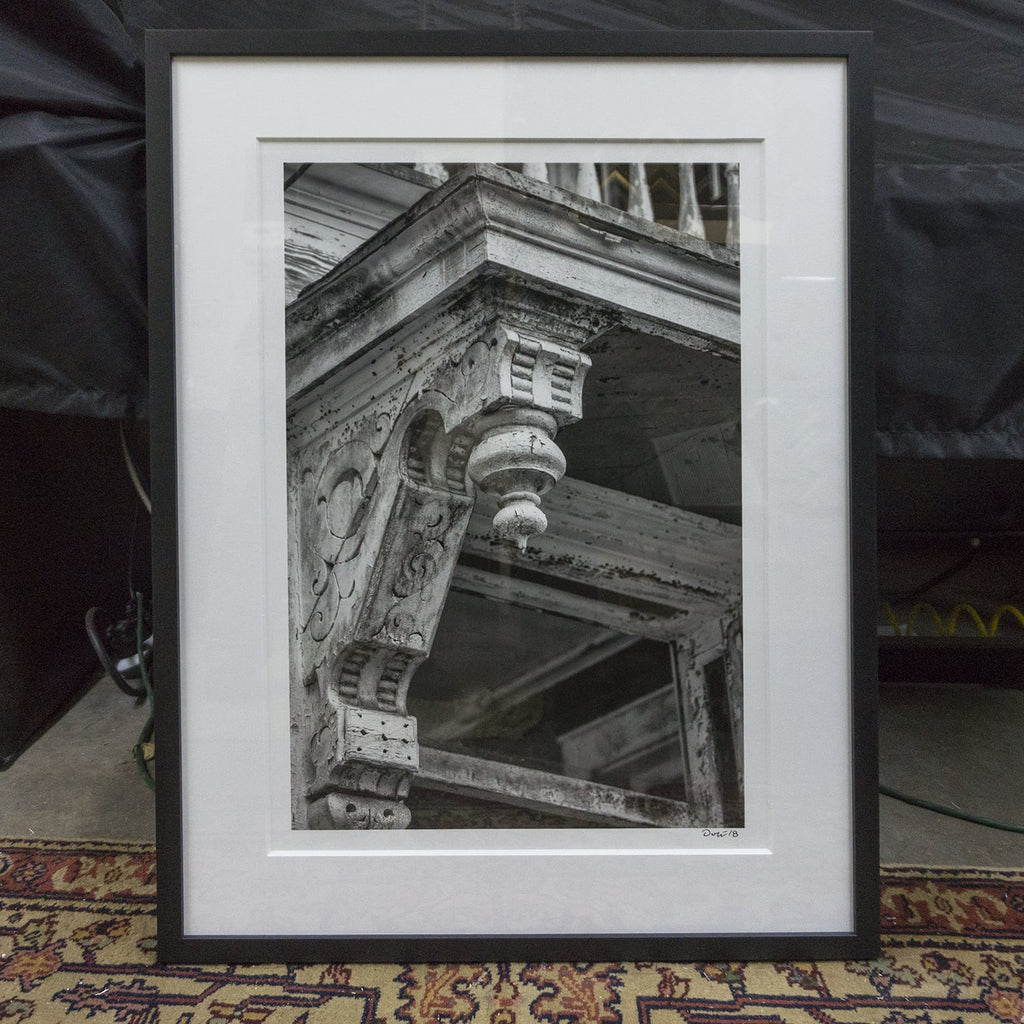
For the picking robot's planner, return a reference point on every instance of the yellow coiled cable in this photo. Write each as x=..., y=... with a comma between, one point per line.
x=946, y=627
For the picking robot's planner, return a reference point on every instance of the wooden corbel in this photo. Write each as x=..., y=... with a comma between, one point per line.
x=380, y=504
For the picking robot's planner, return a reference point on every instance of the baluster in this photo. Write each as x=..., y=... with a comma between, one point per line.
x=640, y=204
x=562, y=176
x=691, y=220
x=715, y=182
x=732, y=184
x=604, y=180
x=587, y=183
x=536, y=171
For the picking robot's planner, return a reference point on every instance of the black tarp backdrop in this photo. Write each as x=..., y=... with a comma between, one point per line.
x=949, y=311
x=72, y=242
x=949, y=94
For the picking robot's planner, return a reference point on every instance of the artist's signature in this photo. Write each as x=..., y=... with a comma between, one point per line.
x=721, y=833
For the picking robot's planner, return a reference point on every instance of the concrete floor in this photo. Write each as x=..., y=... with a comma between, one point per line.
x=958, y=745
x=79, y=779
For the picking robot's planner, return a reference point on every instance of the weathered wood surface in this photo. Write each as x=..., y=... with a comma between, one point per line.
x=380, y=493
x=622, y=735
x=708, y=785
x=624, y=545
x=331, y=210
x=379, y=502
x=625, y=563
x=486, y=219
x=462, y=322
x=527, y=787
x=657, y=622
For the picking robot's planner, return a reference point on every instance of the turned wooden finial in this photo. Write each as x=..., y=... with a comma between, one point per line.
x=517, y=460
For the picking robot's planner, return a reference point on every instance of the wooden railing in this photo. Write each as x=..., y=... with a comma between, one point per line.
x=332, y=208
x=697, y=199
x=577, y=799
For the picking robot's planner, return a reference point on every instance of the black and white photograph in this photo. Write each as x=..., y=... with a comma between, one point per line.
x=514, y=495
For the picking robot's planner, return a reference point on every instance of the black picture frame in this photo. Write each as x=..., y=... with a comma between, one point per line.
x=178, y=941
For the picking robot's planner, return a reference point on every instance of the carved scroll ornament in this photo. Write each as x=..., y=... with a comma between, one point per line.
x=380, y=504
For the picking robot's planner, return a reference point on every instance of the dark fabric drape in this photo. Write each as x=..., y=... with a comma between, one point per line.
x=949, y=94
x=949, y=311
x=72, y=315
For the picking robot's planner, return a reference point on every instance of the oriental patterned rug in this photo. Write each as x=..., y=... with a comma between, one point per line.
x=77, y=943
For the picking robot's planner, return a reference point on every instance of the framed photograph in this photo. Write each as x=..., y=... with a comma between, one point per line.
x=513, y=495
